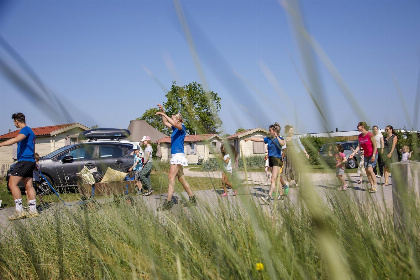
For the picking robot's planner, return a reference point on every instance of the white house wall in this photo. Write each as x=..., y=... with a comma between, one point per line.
x=247, y=148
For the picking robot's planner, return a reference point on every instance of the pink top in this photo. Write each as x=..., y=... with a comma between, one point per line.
x=366, y=143
x=338, y=160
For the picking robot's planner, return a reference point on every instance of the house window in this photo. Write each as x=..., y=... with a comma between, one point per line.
x=258, y=148
x=214, y=147
x=191, y=150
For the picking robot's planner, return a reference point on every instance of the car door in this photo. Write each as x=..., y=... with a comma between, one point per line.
x=115, y=156
x=72, y=162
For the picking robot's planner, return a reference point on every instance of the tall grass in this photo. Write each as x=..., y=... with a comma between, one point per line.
x=222, y=240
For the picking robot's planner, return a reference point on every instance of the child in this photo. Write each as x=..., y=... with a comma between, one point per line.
x=406, y=154
x=361, y=168
x=227, y=168
x=147, y=166
x=137, y=166
x=340, y=160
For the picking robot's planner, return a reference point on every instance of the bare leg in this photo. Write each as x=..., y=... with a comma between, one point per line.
x=186, y=186
x=173, y=170
x=386, y=175
x=274, y=175
x=371, y=176
x=13, y=186
x=224, y=182
x=30, y=191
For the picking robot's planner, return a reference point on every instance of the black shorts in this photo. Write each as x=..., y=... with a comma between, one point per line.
x=275, y=161
x=23, y=169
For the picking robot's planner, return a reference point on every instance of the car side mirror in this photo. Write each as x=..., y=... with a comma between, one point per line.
x=67, y=159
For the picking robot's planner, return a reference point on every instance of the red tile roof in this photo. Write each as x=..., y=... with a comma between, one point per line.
x=43, y=131
x=189, y=138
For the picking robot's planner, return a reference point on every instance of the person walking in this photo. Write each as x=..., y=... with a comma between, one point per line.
x=293, y=149
x=368, y=143
x=178, y=160
x=227, y=167
x=340, y=164
x=275, y=142
x=390, y=151
x=147, y=166
x=379, y=138
x=23, y=169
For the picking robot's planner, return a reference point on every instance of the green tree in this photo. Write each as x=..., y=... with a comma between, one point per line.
x=240, y=130
x=199, y=108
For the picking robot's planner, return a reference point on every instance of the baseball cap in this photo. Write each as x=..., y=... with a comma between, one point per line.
x=145, y=138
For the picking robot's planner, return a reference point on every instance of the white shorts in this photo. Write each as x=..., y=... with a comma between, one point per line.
x=179, y=159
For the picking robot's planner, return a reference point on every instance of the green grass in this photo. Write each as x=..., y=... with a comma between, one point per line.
x=311, y=239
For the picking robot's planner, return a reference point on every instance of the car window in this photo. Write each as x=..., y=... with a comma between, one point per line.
x=82, y=152
x=112, y=151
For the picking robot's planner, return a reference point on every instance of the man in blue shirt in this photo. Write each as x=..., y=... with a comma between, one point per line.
x=23, y=168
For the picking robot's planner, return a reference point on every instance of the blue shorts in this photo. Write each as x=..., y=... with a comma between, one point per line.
x=368, y=163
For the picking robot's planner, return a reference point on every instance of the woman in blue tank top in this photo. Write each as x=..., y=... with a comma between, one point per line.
x=178, y=160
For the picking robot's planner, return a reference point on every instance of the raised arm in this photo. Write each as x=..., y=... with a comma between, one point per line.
x=355, y=151
x=165, y=118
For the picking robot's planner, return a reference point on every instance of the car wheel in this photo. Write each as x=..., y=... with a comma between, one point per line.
x=351, y=163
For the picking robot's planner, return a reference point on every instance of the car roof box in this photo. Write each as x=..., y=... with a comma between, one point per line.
x=105, y=133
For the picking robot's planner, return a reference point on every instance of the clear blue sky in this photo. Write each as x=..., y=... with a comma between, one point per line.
x=109, y=61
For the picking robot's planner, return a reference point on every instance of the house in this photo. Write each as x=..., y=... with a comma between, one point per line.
x=197, y=147
x=48, y=139
x=249, y=148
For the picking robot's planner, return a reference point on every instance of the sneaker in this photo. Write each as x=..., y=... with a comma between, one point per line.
x=17, y=215
x=359, y=182
x=193, y=200
x=147, y=193
x=167, y=205
x=286, y=190
x=345, y=187
x=224, y=195
x=378, y=176
x=266, y=199
x=280, y=197
x=340, y=188
x=32, y=214
x=235, y=193
x=372, y=190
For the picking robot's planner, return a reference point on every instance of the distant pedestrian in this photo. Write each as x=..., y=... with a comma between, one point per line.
x=147, y=166
x=227, y=153
x=390, y=151
x=406, y=154
x=293, y=150
x=379, y=138
x=23, y=169
x=267, y=167
x=368, y=144
x=340, y=164
x=275, y=142
x=178, y=160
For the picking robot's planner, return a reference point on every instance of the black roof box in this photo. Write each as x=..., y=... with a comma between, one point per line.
x=106, y=133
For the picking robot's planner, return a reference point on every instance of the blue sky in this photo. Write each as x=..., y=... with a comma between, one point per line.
x=109, y=61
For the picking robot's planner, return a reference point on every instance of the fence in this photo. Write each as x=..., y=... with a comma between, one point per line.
x=3, y=169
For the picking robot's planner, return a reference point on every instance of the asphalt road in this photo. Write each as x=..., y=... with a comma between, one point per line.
x=322, y=184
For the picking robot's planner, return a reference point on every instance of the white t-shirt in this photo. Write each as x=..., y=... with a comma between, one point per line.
x=227, y=166
x=405, y=156
x=378, y=140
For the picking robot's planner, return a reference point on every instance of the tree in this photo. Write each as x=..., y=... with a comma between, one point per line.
x=198, y=107
x=240, y=130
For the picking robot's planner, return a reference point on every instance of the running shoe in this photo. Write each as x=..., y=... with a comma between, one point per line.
x=378, y=176
x=280, y=197
x=372, y=190
x=224, y=195
x=266, y=199
x=167, y=205
x=17, y=215
x=193, y=200
x=32, y=214
x=345, y=187
x=147, y=193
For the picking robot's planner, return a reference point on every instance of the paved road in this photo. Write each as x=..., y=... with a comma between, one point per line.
x=323, y=183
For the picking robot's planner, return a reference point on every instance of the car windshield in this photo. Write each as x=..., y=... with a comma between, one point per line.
x=56, y=152
x=349, y=145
